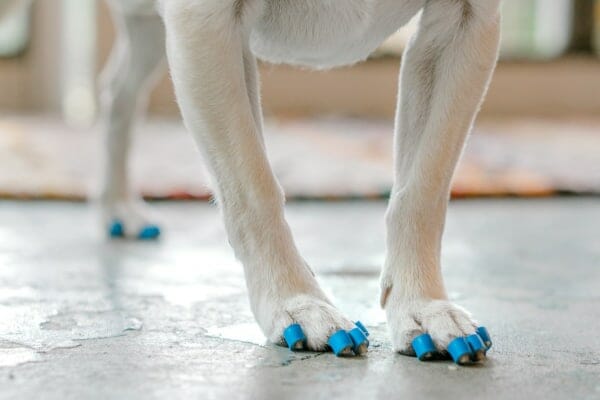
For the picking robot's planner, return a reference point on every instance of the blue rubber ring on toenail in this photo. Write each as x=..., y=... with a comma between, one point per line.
x=458, y=349
x=485, y=336
x=340, y=342
x=362, y=328
x=476, y=343
x=293, y=335
x=149, y=232
x=116, y=229
x=358, y=338
x=424, y=347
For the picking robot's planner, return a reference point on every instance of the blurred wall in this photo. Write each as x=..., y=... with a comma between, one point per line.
x=30, y=83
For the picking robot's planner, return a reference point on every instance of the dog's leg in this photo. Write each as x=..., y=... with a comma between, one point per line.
x=137, y=60
x=216, y=84
x=446, y=70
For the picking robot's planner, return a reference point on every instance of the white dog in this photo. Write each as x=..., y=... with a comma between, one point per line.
x=212, y=47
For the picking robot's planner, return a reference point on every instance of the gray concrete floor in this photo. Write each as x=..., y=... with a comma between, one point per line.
x=84, y=318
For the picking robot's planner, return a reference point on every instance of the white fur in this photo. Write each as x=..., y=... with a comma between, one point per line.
x=137, y=60
x=211, y=47
x=446, y=70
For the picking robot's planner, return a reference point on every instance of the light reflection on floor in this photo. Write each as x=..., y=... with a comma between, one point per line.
x=173, y=317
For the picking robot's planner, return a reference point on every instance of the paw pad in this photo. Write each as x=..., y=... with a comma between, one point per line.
x=294, y=337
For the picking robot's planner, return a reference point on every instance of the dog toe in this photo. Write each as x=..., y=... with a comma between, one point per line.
x=437, y=329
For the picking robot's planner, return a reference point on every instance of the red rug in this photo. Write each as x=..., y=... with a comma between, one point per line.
x=40, y=158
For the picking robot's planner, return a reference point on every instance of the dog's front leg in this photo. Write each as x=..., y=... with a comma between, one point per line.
x=446, y=70
x=216, y=83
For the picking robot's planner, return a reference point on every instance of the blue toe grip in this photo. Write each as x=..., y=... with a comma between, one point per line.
x=475, y=343
x=293, y=335
x=358, y=337
x=458, y=349
x=340, y=342
x=116, y=229
x=485, y=336
x=149, y=232
x=362, y=328
x=424, y=347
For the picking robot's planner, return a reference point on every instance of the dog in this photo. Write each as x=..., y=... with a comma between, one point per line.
x=212, y=47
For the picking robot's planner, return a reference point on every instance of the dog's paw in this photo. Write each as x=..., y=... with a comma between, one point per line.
x=127, y=220
x=307, y=322
x=435, y=327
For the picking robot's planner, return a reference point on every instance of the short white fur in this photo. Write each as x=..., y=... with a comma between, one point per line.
x=212, y=47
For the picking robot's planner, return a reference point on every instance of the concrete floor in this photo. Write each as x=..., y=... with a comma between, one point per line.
x=84, y=318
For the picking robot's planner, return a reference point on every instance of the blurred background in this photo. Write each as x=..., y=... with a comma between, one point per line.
x=328, y=133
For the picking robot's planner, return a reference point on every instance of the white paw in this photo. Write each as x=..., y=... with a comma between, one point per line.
x=128, y=219
x=317, y=317
x=441, y=319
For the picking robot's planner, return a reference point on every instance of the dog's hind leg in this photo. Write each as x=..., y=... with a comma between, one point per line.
x=216, y=84
x=137, y=60
x=446, y=70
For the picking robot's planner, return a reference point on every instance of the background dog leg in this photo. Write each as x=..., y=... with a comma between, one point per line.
x=445, y=73
x=136, y=62
x=216, y=84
